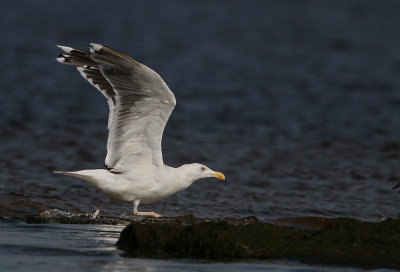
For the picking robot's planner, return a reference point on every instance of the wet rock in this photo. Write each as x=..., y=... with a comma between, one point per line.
x=65, y=217
x=83, y=219
x=341, y=241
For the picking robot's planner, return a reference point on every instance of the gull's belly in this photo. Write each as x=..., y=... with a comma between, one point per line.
x=144, y=189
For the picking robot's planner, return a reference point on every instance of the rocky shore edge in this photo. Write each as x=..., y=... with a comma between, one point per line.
x=314, y=240
x=341, y=241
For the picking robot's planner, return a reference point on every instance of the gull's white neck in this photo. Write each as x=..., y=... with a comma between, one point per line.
x=181, y=177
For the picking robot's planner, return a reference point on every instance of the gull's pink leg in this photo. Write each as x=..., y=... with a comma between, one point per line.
x=96, y=213
x=136, y=212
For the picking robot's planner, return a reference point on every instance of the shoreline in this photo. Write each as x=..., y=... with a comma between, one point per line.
x=314, y=240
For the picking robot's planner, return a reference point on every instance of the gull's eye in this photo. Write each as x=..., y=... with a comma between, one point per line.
x=203, y=168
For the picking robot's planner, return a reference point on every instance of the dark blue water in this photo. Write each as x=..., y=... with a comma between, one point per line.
x=297, y=102
x=276, y=69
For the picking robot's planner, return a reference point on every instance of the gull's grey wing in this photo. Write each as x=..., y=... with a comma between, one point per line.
x=140, y=104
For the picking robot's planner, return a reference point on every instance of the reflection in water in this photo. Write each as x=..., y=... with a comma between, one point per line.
x=64, y=246
x=58, y=247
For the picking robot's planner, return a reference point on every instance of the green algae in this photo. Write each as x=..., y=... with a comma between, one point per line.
x=342, y=241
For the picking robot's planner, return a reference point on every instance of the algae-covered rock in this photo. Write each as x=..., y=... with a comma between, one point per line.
x=66, y=217
x=342, y=241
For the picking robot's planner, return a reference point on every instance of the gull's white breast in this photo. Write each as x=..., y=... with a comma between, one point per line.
x=147, y=183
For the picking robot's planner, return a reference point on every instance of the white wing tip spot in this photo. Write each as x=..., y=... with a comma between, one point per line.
x=60, y=60
x=66, y=49
x=95, y=47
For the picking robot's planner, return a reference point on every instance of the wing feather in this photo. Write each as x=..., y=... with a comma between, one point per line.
x=140, y=104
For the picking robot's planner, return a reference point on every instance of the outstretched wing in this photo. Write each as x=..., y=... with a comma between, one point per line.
x=139, y=100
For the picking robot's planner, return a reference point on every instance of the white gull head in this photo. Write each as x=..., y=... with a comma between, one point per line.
x=195, y=171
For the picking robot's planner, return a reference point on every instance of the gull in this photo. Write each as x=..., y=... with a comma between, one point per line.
x=140, y=104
